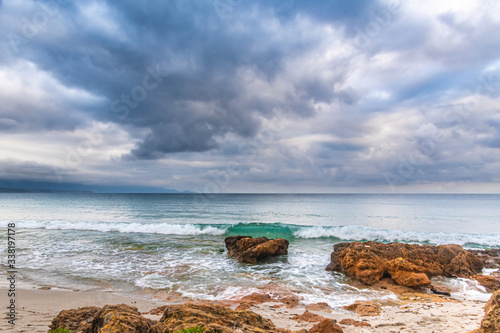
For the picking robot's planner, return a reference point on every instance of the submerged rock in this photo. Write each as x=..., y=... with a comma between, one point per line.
x=212, y=318
x=491, y=320
x=409, y=265
x=250, y=250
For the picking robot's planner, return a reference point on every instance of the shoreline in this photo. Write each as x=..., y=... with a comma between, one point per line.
x=37, y=307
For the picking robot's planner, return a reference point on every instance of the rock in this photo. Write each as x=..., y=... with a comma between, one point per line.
x=407, y=274
x=321, y=306
x=108, y=319
x=365, y=308
x=248, y=301
x=120, y=318
x=326, y=326
x=290, y=301
x=348, y=321
x=250, y=250
x=489, y=282
x=409, y=265
x=490, y=257
x=362, y=324
x=156, y=311
x=212, y=318
x=76, y=320
x=308, y=317
x=352, y=322
x=440, y=291
x=491, y=320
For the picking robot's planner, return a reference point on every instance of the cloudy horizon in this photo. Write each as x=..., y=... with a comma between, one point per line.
x=251, y=96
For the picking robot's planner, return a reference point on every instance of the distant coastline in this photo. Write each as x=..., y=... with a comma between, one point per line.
x=21, y=190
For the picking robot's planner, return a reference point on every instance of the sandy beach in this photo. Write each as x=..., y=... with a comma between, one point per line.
x=37, y=307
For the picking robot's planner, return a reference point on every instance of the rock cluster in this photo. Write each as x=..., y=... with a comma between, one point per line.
x=123, y=318
x=212, y=318
x=250, y=250
x=491, y=320
x=409, y=265
x=76, y=320
x=108, y=319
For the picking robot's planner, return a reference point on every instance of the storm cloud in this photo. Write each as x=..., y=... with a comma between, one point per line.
x=301, y=95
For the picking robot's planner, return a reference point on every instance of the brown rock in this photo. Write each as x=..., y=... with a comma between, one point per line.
x=321, y=306
x=76, y=320
x=120, y=318
x=490, y=257
x=250, y=250
x=348, y=321
x=362, y=323
x=308, y=317
x=326, y=326
x=248, y=301
x=491, y=320
x=406, y=274
x=156, y=311
x=212, y=318
x=408, y=264
x=108, y=319
x=489, y=282
x=290, y=301
x=365, y=308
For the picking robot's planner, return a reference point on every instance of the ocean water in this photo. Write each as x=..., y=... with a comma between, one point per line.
x=173, y=244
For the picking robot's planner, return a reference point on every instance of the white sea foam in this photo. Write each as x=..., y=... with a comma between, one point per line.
x=364, y=233
x=156, y=228
x=342, y=233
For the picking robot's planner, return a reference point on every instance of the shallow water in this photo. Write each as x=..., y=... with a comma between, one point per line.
x=174, y=244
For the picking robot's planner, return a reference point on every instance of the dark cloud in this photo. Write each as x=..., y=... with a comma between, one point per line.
x=182, y=80
x=205, y=96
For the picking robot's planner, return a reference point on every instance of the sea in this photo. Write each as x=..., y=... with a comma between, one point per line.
x=173, y=244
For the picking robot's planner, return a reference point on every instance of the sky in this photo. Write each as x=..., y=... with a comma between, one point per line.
x=222, y=96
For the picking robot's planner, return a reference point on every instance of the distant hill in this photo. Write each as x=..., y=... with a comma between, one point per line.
x=21, y=190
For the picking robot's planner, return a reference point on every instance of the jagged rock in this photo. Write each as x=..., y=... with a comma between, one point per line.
x=76, y=320
x=407, y=274
x=250, y=250
x=120, y=318
x=156, y=311
x=212, y=318
x=410, y=265
x=489, y=282
x=365, y=308
x=308, y=317
x=490, y=257
x=491, y=320
x=326, y=326
x=108, y=319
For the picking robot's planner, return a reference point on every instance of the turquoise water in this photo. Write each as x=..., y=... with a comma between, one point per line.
x=174, y=243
